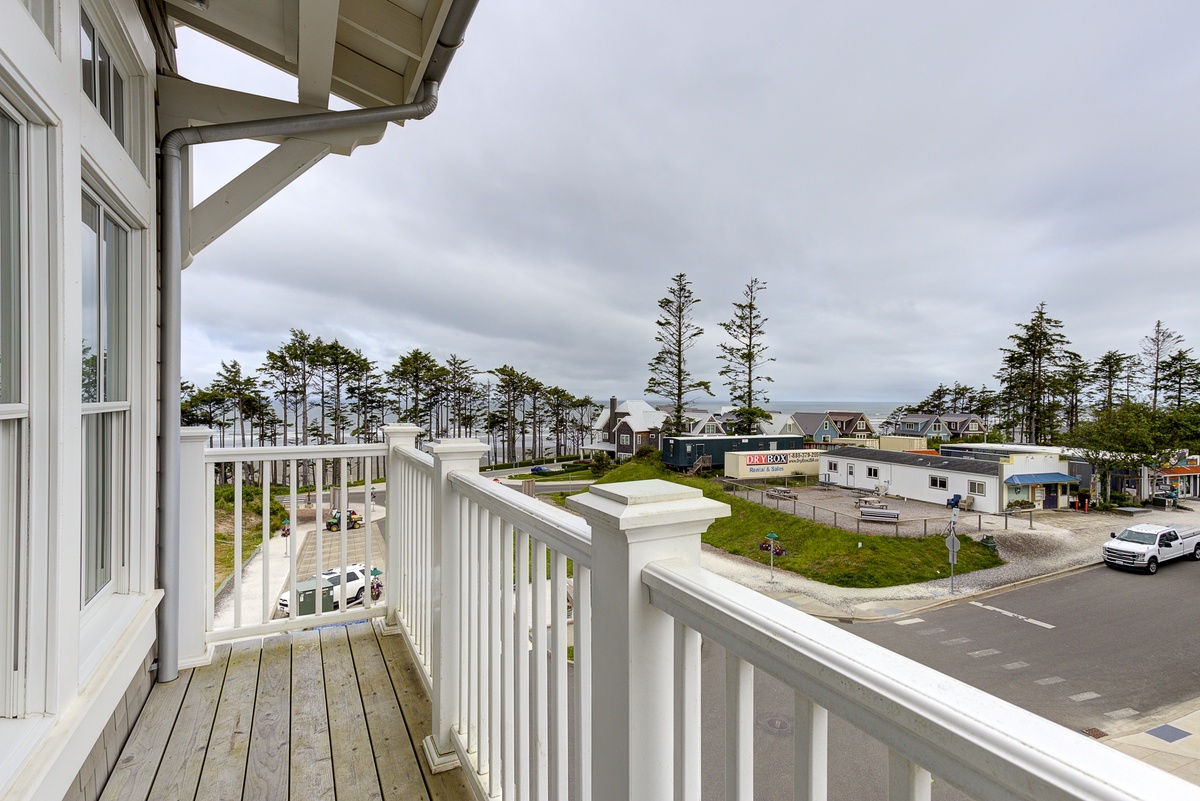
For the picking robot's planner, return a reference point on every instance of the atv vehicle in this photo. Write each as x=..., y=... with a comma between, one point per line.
x=335, y=523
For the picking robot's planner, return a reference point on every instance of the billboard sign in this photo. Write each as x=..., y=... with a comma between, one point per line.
x=771, y=464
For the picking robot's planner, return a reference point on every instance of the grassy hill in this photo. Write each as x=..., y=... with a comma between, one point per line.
x=819, y=552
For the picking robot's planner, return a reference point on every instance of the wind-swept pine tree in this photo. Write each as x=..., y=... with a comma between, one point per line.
x=677, y=334
x=745, y=358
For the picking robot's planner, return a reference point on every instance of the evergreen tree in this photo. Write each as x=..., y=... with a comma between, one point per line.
x=670, y=377
x=1179, y=374
x=1028, y=377
x=745, y=358
x=1155, y=348
x=1109, y=372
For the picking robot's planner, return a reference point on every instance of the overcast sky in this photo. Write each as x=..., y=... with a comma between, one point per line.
x=909, y=179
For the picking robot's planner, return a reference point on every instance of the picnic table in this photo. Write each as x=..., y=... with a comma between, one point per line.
x=870, y=503
x=782, y=494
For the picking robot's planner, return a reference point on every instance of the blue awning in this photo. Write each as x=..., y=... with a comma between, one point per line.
x=1041, y=478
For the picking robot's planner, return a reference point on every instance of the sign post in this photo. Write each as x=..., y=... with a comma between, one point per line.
x=952, y=545
x=772, y=538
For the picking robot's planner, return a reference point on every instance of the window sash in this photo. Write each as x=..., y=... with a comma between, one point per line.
x=105, y=287
x=105, y=512
x=10, y=261
x=102, y=81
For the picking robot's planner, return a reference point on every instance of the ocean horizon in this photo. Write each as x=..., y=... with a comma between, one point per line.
x=874, y=410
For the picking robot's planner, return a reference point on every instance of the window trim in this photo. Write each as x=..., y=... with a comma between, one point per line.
x=15, y=598
x=107, y=496
x=872, y=472
x=977, y=488
x=107, y=85
x=939, y=482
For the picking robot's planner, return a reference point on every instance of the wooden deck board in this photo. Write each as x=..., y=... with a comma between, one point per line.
x=397, y=766
x=184, y=758
x=353, y=763
x=267, y=765
x=312, y=760
x=224, y=770
x=138, y=765
x=338, y=712
x=418, y=717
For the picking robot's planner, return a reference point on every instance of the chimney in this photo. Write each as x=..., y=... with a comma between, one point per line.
x=612, y=417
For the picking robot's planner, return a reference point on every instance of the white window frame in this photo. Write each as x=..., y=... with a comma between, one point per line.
x=624, y=439
x=14, y=442
x=976, y=488
x=103, y=80
x=105, y=453
x=833, y=467
x=872, y=472
x=938, y=482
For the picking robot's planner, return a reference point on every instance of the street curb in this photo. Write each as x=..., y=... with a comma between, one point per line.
x=940, y=602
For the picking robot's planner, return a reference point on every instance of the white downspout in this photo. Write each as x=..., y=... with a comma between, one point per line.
x=171, y=265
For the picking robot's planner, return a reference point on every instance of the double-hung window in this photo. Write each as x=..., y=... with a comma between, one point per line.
x=105, y=395
x=14, y=413
x=102, y=81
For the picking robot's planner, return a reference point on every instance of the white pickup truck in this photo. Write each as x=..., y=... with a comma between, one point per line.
x=1143, y=547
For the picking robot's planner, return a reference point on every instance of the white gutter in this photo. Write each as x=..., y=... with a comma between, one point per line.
x=171, y=265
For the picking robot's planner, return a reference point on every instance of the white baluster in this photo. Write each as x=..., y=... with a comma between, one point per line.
x=558, y=676
x=537, y=688
x=687, y=713
x=739, y=729
x=583, y=683
x=907, y=781
x=812, y=751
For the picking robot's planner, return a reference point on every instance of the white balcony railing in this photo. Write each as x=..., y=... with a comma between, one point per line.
x=494, y=591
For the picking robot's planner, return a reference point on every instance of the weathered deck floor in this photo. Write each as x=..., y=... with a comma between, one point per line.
x=337, y=712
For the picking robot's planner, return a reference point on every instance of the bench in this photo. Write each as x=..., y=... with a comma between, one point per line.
x=879, y=515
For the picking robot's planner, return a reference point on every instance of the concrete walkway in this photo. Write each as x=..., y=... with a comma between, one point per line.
x=276, y=570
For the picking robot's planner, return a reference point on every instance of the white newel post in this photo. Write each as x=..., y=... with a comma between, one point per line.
x=403, y=435
x=447, y=595
x=633, y=524
x=195, y=551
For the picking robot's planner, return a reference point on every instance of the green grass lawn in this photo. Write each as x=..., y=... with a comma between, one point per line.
x=819, y=552
x=224, y=557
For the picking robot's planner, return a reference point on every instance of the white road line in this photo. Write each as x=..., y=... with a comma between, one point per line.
x=1012, y=614
x=1084, y=696
x=924, y=632
x=956, y=641
x=985, y=652
x=1050, y=680
x=1016, y=665
x=910, y=621
x=1118, y=714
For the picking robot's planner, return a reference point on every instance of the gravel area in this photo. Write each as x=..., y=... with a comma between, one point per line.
x=1058, y=541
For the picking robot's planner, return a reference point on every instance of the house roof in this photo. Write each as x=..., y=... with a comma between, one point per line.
x=950, y=463
x=775, y=423
x=1041, y=478
x=369, y=52
x=809, y=422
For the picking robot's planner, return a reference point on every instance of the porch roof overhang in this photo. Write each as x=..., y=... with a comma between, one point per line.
x=1041, y=478
x=368, y=52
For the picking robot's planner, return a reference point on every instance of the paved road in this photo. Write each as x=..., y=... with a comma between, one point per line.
x=1100, y=648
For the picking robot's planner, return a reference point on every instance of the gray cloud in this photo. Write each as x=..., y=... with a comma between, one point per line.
x=909, y=179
